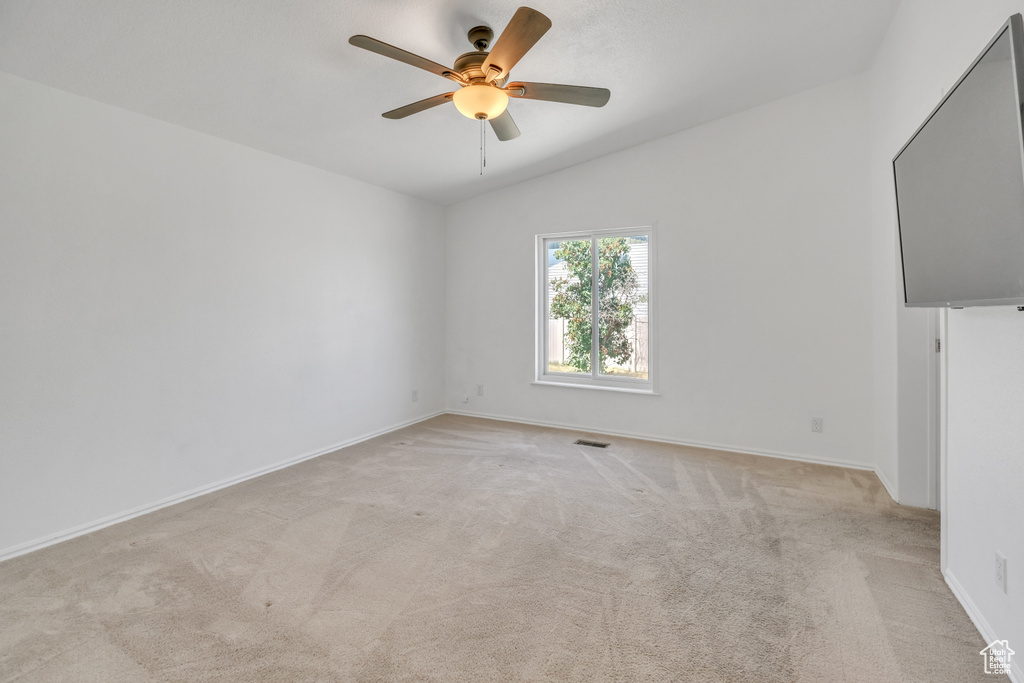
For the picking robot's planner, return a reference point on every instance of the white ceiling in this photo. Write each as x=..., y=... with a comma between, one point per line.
x=280, y=76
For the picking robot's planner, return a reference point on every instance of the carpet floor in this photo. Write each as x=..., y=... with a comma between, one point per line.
x=464, y=549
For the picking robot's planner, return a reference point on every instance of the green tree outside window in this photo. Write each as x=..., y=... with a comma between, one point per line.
x=618, y=292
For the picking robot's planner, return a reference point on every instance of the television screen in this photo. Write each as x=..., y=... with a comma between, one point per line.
x=960, y=187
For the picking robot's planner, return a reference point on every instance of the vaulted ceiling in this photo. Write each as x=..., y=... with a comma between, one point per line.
x=281, y=77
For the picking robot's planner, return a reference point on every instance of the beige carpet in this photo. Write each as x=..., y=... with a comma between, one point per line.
x=471, y=550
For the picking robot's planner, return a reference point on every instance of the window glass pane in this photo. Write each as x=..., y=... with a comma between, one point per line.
x=622, y=296
x=569, y=280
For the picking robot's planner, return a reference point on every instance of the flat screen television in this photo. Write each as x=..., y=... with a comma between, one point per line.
x=960, y=187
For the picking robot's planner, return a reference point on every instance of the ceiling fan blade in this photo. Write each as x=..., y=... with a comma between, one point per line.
x=374, y=45
x=417, y=107
x=504, y=127
x=523, y=31
x=569, y=94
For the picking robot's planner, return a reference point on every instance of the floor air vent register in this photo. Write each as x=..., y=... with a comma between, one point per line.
x=592, y=444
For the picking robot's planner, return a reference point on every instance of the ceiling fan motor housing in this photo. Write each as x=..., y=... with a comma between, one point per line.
x=469, y=66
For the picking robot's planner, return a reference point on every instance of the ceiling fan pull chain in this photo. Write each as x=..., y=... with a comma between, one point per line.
x=481, y=146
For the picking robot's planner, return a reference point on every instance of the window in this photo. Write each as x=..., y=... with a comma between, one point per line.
x=613, y=268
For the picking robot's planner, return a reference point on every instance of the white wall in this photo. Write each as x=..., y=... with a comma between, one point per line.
x=904, y=337
x=928, y=46
x=764, y=282
x=985, y=466
x=176, y=310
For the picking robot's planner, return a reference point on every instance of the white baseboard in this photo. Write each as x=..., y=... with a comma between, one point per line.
x=889, y=488
x=887, y=484
x=110, y=520
x=988, y=634
x=98, y=524
x=680, y=442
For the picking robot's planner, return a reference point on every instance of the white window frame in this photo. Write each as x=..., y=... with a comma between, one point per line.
x=594, y=380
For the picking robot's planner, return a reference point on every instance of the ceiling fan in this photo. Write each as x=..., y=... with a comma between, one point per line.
x=482, y=75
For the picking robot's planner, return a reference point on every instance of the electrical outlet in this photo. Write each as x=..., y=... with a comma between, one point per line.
x=817, y=424
x=1001, y=571
x=415, y=395
x=479, y=389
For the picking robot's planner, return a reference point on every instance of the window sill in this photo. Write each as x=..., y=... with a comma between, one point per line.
x=596, y=387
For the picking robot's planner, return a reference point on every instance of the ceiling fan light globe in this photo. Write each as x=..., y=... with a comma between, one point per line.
x=480, y=100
